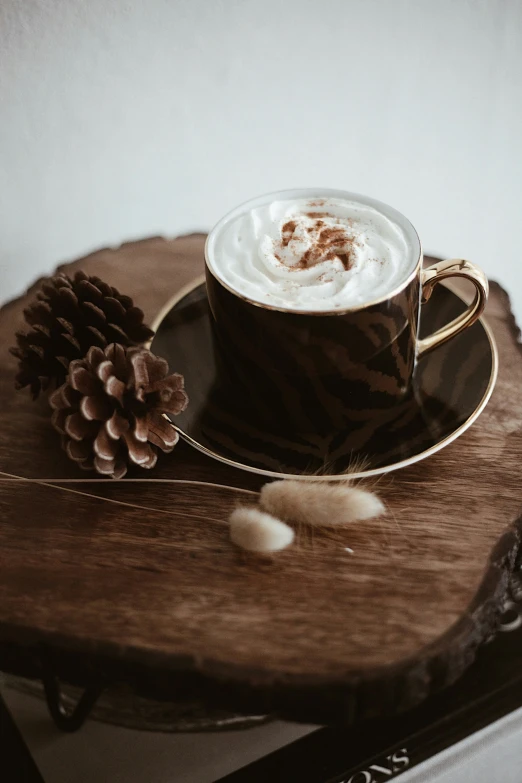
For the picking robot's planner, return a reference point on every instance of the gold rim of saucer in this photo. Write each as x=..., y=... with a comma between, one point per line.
x=189, y=287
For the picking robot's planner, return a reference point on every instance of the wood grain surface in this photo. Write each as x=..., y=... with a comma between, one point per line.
x=157, y=595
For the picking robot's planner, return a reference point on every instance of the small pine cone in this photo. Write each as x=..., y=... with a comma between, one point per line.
x=109, y=410
x=66, y=319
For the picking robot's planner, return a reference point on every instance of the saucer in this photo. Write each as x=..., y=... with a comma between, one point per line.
x=451, y=388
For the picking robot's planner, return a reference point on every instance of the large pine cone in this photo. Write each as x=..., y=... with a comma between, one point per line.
x=66, y=319
x=109, y=411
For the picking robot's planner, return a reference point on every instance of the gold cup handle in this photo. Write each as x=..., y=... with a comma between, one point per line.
x=455, y=267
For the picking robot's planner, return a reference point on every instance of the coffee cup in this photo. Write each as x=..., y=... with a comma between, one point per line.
x=316, y=299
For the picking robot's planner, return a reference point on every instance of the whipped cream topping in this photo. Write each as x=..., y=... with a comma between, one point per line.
x=315, y=254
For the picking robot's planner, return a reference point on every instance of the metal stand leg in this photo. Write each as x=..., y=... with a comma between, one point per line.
x=65, y=719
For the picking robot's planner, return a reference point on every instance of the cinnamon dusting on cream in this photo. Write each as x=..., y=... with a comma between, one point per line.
x=326, y=242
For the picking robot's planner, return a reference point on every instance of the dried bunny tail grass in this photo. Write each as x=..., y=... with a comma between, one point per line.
x=319, y=504
x=259, y=532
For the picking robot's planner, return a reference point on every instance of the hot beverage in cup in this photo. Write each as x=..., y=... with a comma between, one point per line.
x=315, y=298
x=313, y=254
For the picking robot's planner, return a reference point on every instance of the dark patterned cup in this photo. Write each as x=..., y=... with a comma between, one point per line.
x=315, y=373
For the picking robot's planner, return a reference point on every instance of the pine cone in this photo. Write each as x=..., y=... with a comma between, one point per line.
x=109, y=410
x=66, y=319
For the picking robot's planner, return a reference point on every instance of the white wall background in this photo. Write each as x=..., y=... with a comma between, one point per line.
x=124, y=118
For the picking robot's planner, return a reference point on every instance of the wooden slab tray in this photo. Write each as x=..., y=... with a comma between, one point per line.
x=96, y=590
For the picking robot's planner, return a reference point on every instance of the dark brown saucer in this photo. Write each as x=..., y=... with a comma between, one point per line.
x=452, y=386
